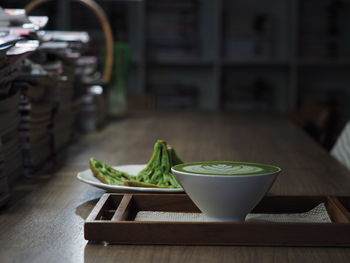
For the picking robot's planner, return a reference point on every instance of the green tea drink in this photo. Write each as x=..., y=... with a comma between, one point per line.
x=225, y=191
x=226, y=168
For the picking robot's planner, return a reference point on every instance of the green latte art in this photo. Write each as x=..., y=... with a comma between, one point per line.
x=226, y=168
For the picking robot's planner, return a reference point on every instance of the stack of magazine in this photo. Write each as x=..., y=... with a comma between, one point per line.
x=10, y=151
x=35, y=87
x=13, y=51
x=60, y=54
x=4, y=189
x=92, y=112
x=36, y=108
x=43, y=78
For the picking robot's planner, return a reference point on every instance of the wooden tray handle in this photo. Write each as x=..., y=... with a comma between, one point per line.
x=107, y=30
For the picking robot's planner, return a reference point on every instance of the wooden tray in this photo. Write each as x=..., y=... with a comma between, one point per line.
x=112, y=221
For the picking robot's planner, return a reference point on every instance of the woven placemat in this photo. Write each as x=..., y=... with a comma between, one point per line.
x=318, y=214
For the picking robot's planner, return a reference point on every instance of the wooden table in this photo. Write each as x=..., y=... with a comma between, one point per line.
x=44, y=220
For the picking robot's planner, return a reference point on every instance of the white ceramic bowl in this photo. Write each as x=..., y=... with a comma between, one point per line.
x=225, y=191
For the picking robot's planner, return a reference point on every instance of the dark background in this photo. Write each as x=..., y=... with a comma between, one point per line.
x=279, y=56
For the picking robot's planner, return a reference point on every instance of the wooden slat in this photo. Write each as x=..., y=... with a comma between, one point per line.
x=123, y=209
x=98, y=209
x=252, y=234
x=337, y=211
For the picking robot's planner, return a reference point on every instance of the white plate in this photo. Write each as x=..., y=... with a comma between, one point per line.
x=87, y=177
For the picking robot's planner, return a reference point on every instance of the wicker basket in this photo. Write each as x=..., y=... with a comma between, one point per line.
x=102, y=18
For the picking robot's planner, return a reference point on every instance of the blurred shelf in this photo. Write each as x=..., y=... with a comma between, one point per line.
x=268, y=39
x=324, y=63
x=255, y=62
x=181, y=62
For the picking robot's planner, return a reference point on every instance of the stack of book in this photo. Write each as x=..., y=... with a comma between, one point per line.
x=93, y=109
x=16, y=51
x=173, y=29
x=36, y=107
x=64, y=114
x=10, y=151
x=39, y=90
x=4, y=188
x=59, y=56
x=86, y=72
x=92, y=98
x=86, y=75
x=28, y=141
x=247, y=36
x=320, y=35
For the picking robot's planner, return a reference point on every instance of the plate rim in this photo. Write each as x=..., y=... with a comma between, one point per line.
x=120, y=188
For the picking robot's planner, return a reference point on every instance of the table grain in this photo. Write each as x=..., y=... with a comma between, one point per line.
x=44, y=220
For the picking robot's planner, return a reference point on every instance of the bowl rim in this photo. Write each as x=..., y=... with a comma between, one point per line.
x=173, y=169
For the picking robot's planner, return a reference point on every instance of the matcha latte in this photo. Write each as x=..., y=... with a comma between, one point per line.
x=226, y=168
x=225, y=191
